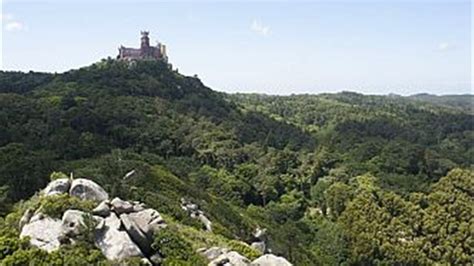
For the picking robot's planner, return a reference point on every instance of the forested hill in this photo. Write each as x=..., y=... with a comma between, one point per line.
x=395, y=137
x=464, y=102
x=335, y=178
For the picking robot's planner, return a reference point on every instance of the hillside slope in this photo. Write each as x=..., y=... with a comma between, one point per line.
x=303, y=167
x=463, y=102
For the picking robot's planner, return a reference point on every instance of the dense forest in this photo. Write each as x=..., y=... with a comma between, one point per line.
x=336, y=179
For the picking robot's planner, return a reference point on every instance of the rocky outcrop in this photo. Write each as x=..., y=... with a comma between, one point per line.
x=142, y=225
x=44, y=232
x=86, y=189
x=58, y=186
x=122, y=229
x=128, y=230
x=194, y=212
x=136, y=234
x=271, y=260
x=148, y=221
x=114, y=243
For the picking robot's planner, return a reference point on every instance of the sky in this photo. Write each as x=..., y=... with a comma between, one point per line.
x=273, y=47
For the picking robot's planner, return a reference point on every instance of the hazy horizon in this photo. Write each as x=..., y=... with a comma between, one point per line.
x=274, y=48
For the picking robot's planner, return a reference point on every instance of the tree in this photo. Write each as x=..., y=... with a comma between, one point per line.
x=336, y=197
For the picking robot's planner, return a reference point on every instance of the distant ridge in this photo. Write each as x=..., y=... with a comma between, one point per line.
x=460, y=101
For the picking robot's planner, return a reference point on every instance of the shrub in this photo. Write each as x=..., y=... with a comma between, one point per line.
x=57, y=175
x=244, y=249
x=79, y=254
x=31, y=256
x=67, y=255
x=54, y=206
x=175, y=249
x=87, y=231
x=8, y=245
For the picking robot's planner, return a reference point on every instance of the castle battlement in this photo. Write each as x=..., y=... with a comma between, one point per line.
x=145, y=52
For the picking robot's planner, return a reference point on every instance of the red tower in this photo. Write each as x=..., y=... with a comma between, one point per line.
x=145, y=40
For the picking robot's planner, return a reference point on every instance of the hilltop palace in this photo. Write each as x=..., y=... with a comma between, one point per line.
x=145, y=52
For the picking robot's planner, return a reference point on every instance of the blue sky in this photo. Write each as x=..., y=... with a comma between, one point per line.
x=282, y=47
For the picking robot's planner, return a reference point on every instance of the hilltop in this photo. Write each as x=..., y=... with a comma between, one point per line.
x=464, y=102
x=333, y=178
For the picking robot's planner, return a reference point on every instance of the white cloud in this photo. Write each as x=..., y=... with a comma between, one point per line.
x=11, y=24
x=259, y=28
x=445, y=46
x=14, y=26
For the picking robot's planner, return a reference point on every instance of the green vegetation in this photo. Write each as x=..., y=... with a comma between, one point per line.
x=175, y=249
x=244, y=249
x=68, y=255
x=422, y=229
x=335, y=178
x=56, y=205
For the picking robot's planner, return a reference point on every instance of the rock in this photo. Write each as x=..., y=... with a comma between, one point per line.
x=271, y=260
x=138, y=207
x=318, y=211
x=87, y=190
x=115, y=244
x=139, y=237
x=141, y=226
x=72, y=222
x=58, y=186
x=222, y=262
x=101, y=225
x=188, y=206
x=121, y=206
x=194, y=212
x=230, y=258
x=112, y=221
x=103, y=209
x=260, y=233
x=25, y=218
x=156, y=259
x=148, y=221
x=44, y=232
x=213, y=253
x=207, y=223
x=145, y=261
x=260, y=246
x=191, y=207
x=37, y=216
x=260, y=236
